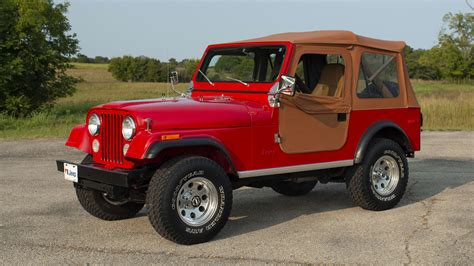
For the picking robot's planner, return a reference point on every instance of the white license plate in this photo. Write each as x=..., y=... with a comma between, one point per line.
x=71, y=172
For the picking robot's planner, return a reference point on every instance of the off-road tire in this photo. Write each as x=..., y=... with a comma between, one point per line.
x=162, y=202
x=358, y=180
x=94, y=203
x=288, y=188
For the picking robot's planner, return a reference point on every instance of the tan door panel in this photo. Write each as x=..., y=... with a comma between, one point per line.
x=312, y=126
x=309, y=122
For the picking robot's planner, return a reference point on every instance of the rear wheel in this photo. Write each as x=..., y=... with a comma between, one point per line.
x=289, y=188
x=189, y=200
x=379, y=182
x=98, y=204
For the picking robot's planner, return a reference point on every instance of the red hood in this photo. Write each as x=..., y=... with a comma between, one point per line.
x=186, y=113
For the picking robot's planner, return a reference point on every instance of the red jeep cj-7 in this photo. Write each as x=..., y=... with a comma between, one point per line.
x=283, y=111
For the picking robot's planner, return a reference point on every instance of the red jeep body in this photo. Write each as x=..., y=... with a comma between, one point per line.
x=255, y=133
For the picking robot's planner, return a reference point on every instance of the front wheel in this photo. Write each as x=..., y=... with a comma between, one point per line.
x=379, y=182
x=189, y=200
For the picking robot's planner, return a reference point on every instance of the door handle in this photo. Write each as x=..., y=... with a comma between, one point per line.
x=341, y=117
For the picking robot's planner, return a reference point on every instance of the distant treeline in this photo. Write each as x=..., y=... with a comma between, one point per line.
x=128, y=68
x=442, y=62
x=82, y=58
x=142, y=68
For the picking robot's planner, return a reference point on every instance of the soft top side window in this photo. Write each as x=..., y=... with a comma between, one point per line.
x=378, y=76
x=320, y=74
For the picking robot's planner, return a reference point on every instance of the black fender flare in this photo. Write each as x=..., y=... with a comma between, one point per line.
x=370, y=133
x=159, y=146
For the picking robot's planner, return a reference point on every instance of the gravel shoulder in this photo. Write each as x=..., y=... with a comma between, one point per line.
x=41, y=221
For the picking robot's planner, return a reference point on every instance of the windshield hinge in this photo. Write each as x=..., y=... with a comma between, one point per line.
x=277, y=138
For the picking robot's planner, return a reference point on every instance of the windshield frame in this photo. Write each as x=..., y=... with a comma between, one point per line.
x=212, y=50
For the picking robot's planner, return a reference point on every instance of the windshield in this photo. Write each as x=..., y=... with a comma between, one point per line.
x=244, y=64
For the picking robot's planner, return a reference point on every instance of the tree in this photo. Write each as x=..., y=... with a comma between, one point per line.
x=447, y=58
x=458, y=29
x=153, y=70
x=35, y=47
x=417, y=70
x=120, y=67
x=190, y=65
x=455, y=52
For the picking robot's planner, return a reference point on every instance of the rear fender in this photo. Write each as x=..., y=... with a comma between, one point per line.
x=387, y=129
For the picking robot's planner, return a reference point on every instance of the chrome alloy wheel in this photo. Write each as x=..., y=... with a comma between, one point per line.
x=197, y=201
x=385, y=175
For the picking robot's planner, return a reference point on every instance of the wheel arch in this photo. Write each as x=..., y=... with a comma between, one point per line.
x=201, y=146
x=386, y=129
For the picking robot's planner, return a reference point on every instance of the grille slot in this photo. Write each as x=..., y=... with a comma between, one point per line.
x=111, y=137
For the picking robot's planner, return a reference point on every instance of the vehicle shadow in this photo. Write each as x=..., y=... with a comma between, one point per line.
x=256, y=209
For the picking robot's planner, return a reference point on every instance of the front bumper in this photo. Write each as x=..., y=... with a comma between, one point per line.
x=114, y=182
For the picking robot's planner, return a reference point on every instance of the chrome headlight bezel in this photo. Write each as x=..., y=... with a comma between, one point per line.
x=93, y=124
x=129, y=128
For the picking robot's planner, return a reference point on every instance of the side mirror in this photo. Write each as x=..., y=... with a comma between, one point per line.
x=174, y=77
x=287, y=85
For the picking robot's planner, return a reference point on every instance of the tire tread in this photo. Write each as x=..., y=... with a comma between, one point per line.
x=359, y=192
x=157, y=190
x=90, y=202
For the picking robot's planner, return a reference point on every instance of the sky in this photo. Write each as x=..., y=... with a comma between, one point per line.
x=183, y=28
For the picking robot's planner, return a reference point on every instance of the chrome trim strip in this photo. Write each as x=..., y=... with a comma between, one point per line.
x=294, y=168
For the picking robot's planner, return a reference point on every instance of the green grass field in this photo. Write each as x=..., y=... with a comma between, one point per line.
x=445, y=106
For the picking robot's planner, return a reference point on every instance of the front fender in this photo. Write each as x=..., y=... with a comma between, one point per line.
x=140, y=144
x=79, y=138
x=147, y=146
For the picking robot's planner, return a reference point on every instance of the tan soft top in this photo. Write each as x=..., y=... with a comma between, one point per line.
x=331, y=37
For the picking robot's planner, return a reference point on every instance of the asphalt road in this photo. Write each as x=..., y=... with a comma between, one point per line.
x=42, y=222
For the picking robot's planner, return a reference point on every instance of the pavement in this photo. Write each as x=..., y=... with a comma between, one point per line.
x=41, y=221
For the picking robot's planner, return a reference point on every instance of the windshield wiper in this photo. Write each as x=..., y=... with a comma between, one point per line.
x=238, y=80
x=204, y=75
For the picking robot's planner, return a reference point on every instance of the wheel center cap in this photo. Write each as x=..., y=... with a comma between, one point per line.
x=196, y=201
x=186, y=196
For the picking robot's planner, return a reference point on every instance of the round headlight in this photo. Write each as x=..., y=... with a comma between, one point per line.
x=128, y=128
x=94, y=124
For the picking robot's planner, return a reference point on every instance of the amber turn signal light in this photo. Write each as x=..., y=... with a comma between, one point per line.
x=170, y=137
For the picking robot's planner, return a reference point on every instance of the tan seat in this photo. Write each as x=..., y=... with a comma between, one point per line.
x=331, y=82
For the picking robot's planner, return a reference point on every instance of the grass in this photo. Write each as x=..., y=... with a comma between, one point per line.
x=445, y=106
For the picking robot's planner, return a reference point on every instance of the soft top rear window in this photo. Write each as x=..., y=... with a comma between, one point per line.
x=242, y=64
